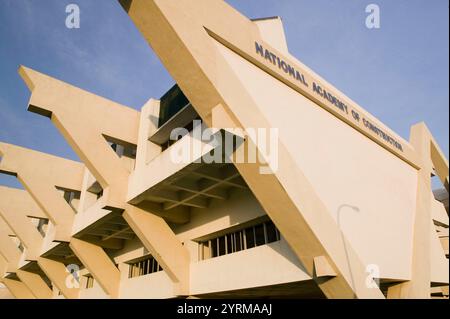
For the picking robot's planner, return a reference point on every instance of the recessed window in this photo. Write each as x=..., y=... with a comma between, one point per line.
x=250, y=237
x=221, y=246
x=229, y=242
x=70, y=196
x=246, y=238
x=213, y=247
x=143, y=266
x=89, y=282
x=259, y=235
x=272, y=233
x=42, y=226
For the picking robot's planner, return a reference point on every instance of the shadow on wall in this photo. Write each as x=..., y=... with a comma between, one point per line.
x=354, y=209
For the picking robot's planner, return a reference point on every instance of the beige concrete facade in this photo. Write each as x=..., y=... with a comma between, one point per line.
x=131, y=221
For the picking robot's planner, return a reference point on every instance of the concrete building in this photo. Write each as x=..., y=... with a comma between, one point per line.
x=251, y=177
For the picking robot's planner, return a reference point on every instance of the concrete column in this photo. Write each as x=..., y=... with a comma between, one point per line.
x=35, y=284
x=100, y=266
x=18, y=289
x=60, y=277
x=163, y=244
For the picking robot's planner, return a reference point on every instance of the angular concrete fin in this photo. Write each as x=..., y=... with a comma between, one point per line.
x=29, y=76
x=35, y=284
x=272, y=31
x=86, y=120
x=60, y=277
x=18, y=289
x=15, y=204
x=41, y=173
x=163, y=244
x=99, y=265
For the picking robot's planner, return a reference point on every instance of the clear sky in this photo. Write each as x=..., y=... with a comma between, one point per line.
x=399, y=72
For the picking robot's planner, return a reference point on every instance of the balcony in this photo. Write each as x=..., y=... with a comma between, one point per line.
x=270, y=270
x=110, y=231
x=61, y=252
x=195, y=185
x=152, y=286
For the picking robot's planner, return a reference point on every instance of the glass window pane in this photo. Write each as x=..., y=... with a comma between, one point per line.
x=238, y=236
x=271, y=232
x=229, y=244
x=249, y=237
x=214, y=249
x=204, y=250
x=221, y=245
x=259, y=235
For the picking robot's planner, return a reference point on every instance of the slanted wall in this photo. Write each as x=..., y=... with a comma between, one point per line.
x=345, y=168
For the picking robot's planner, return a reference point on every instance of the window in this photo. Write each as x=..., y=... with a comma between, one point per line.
x=187, y=128
x=143, y=266
x=42, y=226
x=213, y=248
x=272, y=233
x=259, y=235
x=89, y=282
x=171, y=103
x=246, y=238
x=124, y=150
x=237, y=240
x=71, y=197
x=222, y=250
x=250, y=237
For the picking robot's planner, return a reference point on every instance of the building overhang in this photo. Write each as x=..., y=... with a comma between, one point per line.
x=62, y=253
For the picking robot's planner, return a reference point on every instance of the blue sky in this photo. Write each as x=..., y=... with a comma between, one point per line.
x=399, y=72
